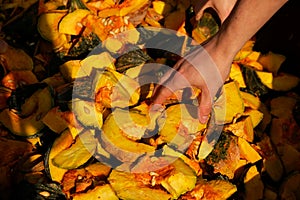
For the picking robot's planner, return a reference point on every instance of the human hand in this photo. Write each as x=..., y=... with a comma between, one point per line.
x=206, y=68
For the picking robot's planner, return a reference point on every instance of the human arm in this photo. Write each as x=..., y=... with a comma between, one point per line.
x=208, y=66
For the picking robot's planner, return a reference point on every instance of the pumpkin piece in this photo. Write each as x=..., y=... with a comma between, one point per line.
x=48, y=28
x=123, y=9
x=72, y=22
x=285, y=82
x=253, y=64
x=281, y=82
x=271, y=61
x=250, y=100
x=15, y=59
x=181, y=180
x=247, y=151
x=289, y=156
x=153, y=18
x=127, y=150
x=282, y=107
x=229, y=105
x=99, y=61
x=255, y=116
x=253, y=184
x=266, y=120
x=78, y=153
x=242, y=128
x=211, y=190
x=270, y=194
x=113, y=44
x=61, y=143
x=290, y=188
x=162, y=7
x=114, y=89
x=32, y=123
x=135, y=122
x=132, y=59
x=246, y=50
x=285, y=131
x=54, y=120
x=99, y=192
x=178, y=124
x=225, y=155
x=271, y=161
x=206, y=28
x=77, y=180
x=54, y=81
x=128, y=187
x=15, y=79
x=98, y=169
x=87, y=114
x=237, y=75
x=174, y=20
x=99, y=5
x=70, y=69
x=168, y=151
x=120, y=39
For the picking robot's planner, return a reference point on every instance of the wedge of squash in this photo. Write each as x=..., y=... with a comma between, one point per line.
x=78, y=153
x=99, y=192
x=211, y=190
x=61, y=143
x=181, y=180
x=32, y=124
x=247, y=151
x=128, y=187
x=71, y=23
x=254, y=186
x=87, y=114
x=229, y=105
x=123, y=9
x=48, y=28
x=114, y=89
x=181, y=122
x=127, y=150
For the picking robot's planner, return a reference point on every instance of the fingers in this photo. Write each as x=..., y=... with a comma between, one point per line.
x=172, y=81
x=205, y=106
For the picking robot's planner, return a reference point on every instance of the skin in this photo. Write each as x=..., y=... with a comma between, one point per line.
x=207, y=70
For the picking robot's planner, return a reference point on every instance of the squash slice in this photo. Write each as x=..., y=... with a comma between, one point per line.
x=99, y=192
x=71, y=23
x=211, y=190
x=179, y=124
x=127, y=150
x=87, y=114
x=123, y=9
x=32, y=124
x=247, y=151
x=229, y=105
x=78, y=153
x=48, y=28
x=128, y=187
x=181, y=180
x=114, y=89
x=61, y=143
x=253, y=184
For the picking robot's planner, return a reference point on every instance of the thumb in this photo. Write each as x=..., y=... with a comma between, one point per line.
x=205, y=106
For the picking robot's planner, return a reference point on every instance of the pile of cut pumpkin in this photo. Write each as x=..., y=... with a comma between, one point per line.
x=88, y=130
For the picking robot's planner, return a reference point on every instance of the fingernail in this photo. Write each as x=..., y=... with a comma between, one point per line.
x=203, y=119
